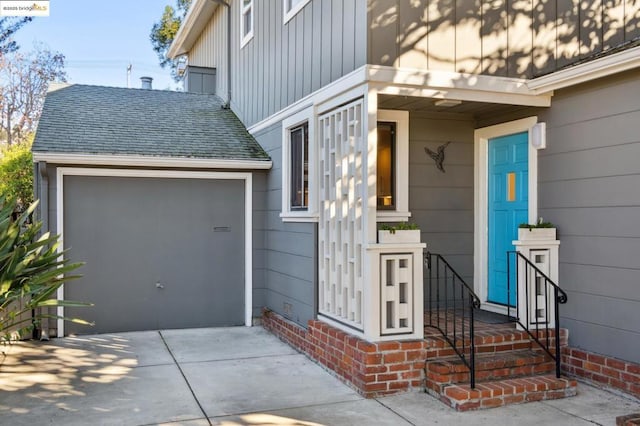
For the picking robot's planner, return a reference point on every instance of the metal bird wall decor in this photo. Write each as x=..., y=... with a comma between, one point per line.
x=438, y=156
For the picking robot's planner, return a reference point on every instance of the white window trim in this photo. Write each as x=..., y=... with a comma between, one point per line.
x=174, y=174
x=288, y=14
x=401, y=212
x=481, y=220
x=311, y=214
x=244, y=39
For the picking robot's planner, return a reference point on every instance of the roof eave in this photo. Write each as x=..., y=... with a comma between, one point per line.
x=151, y=161
x=192, y=25
x=597, y=68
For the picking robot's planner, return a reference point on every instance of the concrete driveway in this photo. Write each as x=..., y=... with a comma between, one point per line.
x=228, y=376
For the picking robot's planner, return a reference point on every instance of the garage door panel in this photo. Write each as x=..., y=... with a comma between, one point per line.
x=160, y=253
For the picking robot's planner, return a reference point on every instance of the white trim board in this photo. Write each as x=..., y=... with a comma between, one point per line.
x=481, y=221
x=164, y=174
x=289, y=14
x=149, y=161
x=598, y=68
x=196, y=18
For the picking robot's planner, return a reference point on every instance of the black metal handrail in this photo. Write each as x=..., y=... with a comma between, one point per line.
x=448, y=293
x=533, y=287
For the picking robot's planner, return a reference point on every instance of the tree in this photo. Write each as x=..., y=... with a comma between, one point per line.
x=164, y=31
x=31, y=271
x=23, y=85
x=8, y=27
x=16, y=174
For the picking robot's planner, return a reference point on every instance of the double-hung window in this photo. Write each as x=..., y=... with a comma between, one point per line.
x=246, y=22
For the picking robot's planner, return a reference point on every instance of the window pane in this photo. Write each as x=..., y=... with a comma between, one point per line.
x=292, y=3
x=386, y=180
x=247, y=23
x=299, y=172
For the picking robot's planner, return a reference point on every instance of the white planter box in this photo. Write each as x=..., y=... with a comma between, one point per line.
x=536, y=234
x=409, y=236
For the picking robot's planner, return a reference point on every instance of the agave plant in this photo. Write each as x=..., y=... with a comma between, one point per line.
x=31, y=271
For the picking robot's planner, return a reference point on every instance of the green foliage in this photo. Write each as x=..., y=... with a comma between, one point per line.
x=31, y=271
x=164, y=31
x=16, y=174
x=539, y=224
x=401, y=226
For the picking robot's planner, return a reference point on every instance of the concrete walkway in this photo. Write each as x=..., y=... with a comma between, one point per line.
x=229, y=376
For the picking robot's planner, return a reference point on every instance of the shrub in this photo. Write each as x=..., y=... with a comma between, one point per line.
x=401, y=226
x=31, y=271
x=16, y=174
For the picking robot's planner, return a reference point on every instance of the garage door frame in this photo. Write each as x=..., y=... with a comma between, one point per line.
x=160, y=174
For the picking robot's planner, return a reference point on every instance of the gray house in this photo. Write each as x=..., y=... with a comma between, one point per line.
x=467, y=118
x=328, y=87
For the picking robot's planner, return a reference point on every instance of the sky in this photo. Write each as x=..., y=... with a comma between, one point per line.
x=100, y=39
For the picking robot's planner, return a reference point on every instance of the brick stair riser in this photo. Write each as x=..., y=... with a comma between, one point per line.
x=496, y=398
x=495, y=343
x=491, y=374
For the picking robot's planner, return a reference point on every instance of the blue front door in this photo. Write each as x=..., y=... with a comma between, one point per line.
x=508, y=204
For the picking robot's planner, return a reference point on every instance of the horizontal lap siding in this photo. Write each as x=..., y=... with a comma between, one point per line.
x=289, y=248
x=442, y=203
x=589, y=185
x=514, y=38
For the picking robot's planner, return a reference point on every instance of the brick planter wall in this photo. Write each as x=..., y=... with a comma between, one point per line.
x=373, y=369
x=602, y=370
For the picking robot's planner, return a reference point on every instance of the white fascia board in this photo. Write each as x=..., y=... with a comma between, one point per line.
x=494, y=97
x=320, y=96
x=147, y=161
x=454, y=85
x=192, y=25
x=603, y=67
x=444, y=79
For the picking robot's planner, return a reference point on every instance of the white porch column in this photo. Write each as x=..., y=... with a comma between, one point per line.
x=395, y=288
x=541, y=248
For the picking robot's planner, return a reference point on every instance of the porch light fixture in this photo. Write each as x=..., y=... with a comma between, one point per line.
x=539, y=136
x=447, y=103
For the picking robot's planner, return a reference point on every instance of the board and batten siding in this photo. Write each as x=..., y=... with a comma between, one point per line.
x=210, y=50
x=284, y=62
x=589, y=185
x=514, y=38
x=288, y=249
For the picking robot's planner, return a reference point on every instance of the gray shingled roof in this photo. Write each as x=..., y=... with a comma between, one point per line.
x=79, y=119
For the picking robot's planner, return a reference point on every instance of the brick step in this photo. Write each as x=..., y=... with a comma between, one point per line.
x=502, y=365
x=496, y=393
x=503, y=341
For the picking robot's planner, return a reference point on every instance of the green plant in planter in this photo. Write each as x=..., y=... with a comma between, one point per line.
x=401, y=226
x=31, y=271
x=539, y=224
